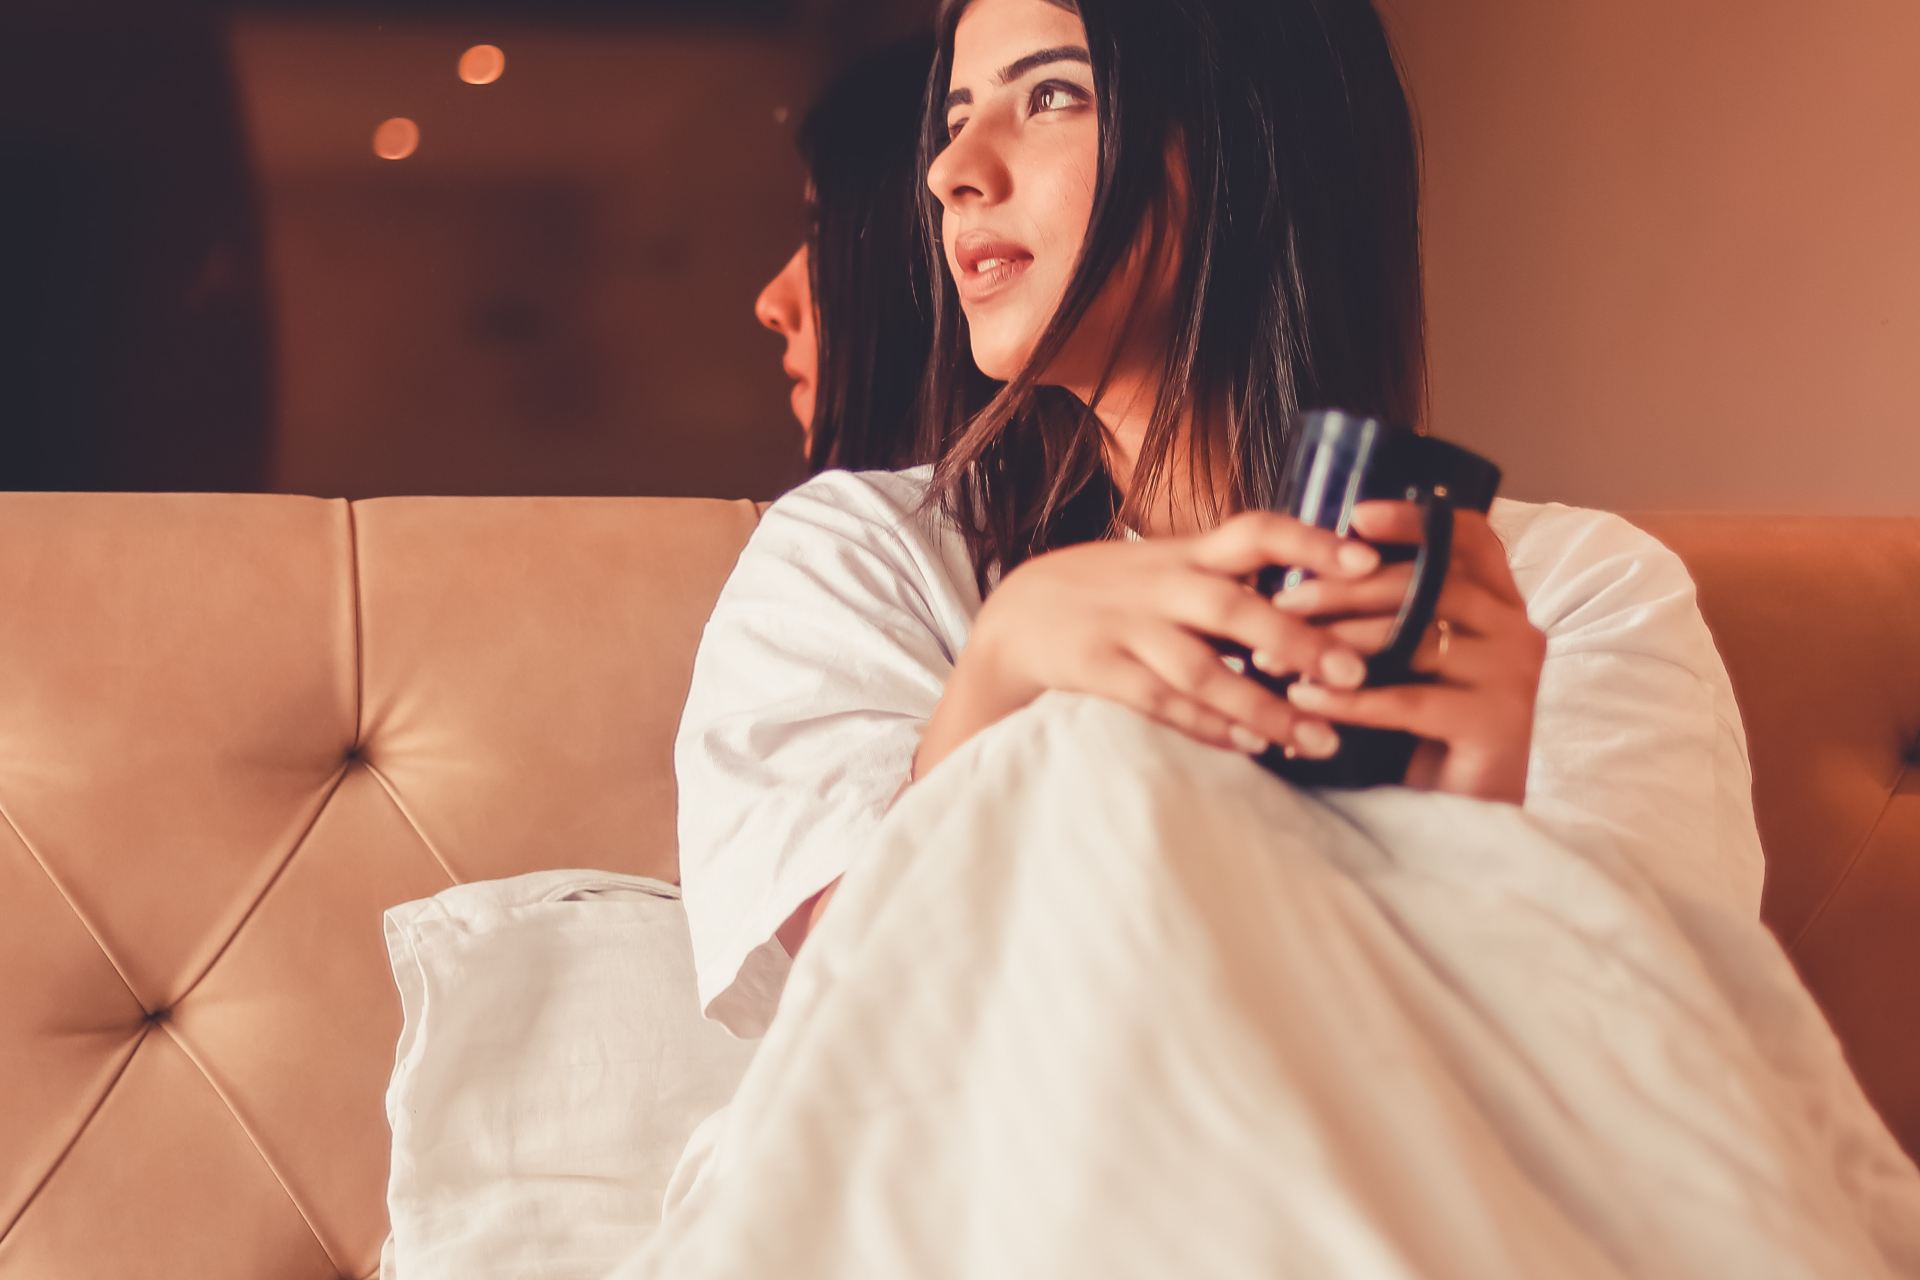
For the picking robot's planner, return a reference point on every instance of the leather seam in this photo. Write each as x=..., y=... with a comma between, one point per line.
x=254, y=1142
x=266, y=890
x=67, y=898
x=394, y=796
x=79, y=1132
x=1852, y=863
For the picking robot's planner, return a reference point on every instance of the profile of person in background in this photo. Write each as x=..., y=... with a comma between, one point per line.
x=854, y=301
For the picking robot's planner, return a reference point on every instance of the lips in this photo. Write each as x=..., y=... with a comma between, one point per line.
x=985, y=263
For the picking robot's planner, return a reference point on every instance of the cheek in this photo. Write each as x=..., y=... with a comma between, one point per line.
x=806, y=346
x=1064, y=198
x=1062, y=190
x=1059, y=198
x=806, y=352
x=1059, y=201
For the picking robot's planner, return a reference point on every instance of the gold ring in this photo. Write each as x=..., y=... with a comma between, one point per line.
x=1445, y=629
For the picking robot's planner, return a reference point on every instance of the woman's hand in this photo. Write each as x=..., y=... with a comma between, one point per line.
x=1477, y=720
x=1130, y=621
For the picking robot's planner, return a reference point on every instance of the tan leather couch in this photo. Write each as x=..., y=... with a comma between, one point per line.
x=234, y=728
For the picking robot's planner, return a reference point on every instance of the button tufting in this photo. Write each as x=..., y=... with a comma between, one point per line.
x=355, y=752
x=159, y=1015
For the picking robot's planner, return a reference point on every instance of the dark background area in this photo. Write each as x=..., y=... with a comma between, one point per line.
x=1670, y=249
x=212, y=282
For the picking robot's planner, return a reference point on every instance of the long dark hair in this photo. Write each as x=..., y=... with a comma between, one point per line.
x=873, y=307
x=1299, y=250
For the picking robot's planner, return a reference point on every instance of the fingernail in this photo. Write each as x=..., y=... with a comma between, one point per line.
x=1247, y=740
x=1268, y=662
x=1315, y=739
x=1343, y=668
x=1233, y=663
x=1308, y=694
x=1295, y=599
x=1359, y=557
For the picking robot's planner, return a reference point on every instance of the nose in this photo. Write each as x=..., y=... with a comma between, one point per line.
x=970, y=168
x=780, y=304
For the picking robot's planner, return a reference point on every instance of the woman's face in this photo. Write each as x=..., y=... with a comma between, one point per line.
x=1016, y=184
x=786, y=307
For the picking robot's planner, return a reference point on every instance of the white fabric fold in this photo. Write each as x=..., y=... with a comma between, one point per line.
x=552, y=1062
x=1098, y=1001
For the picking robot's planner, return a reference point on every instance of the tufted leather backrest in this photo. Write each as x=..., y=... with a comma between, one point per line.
x=234, y=729
x=1818, y=619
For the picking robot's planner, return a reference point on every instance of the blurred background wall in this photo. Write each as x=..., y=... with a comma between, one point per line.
x=1670, y=248
x=1673, y=250
x=552, y=293
x=136, y=331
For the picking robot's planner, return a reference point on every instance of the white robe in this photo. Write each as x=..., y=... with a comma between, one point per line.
x=832, y=641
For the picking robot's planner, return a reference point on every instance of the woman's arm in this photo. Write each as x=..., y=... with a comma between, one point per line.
x=970, y=704
x=821, y=663
x=1639, y=751
x=1128, y=622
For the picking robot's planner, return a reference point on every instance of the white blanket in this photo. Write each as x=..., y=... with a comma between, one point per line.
x=1101, y=1002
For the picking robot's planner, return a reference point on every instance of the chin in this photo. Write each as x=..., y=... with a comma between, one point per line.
x=999, y=358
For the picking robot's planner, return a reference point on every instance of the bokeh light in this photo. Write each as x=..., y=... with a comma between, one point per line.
x=482, y=64
x=396, y=139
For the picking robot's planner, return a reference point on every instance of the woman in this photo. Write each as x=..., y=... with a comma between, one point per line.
x=1233, y=271
x=853, y=303
x=1163, y=229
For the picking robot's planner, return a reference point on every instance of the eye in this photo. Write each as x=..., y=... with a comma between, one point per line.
x=1055, y=95
x=953, y=128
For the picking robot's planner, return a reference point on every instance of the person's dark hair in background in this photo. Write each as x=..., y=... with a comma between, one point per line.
x=866, y=267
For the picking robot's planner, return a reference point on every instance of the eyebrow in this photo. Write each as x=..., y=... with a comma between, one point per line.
x=1020, y=66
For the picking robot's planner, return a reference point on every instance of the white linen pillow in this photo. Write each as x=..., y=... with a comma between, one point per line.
x=552, y=1063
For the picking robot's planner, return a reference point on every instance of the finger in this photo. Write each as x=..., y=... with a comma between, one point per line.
x=1133, y=685
x=1467, y=605
x=1280, y=644
x=1469, y=659
x=1443, y=712
x=1476, y=548
x=1190, y=666
x=1388, y=520
x=1251, y=541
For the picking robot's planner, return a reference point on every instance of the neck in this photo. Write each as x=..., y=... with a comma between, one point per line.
x=1125, y=412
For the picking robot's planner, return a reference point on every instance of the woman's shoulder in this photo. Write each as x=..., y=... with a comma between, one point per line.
x=873, y=532
x=880, y=505
x=1535, y=529
x=1578, y=565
